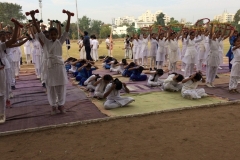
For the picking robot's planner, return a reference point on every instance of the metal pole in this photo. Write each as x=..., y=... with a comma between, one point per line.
x=77, y=19
x=40, y=6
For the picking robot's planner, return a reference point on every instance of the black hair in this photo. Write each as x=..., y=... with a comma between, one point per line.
x=158, y=72
x=132, y=64
x=115, y=61
x=53, y=29
x=140, y=69
x=191, y=33
x=234, y=41
x=88, y=65
x=83, y=61
x=124, y=61
x=92, y=36
x=118, y=84
x=108, y=36
x=97, y=76
x=172, y=33
x=85, y=33
x=110, y=58
x=81, y=37
x=107, y=77
x=2, y=32
x=198, y=77
x=179, y=78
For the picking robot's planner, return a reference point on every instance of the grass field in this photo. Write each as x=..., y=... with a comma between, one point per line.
x=118, y=51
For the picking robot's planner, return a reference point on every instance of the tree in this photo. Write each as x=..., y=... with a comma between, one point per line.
x=95, y=27
x=160, y=19
x=131, y=29
x=84, y=23
x=10, y=10
x=236, y=20
x=104, y=31
x=172, y=21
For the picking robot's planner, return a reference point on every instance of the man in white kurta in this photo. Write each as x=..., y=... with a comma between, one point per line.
x=27, y=51
x=56, y=76
x=16, y=60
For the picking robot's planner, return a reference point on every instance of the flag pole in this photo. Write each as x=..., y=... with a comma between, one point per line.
x=77, y=19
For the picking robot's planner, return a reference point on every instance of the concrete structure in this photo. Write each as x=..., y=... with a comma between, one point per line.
x=224, y=17
x=121, y=20
x=183, y=21
x=148, y=16
x=120, y=30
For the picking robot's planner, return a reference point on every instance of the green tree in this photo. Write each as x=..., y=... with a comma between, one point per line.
x=160, y=19
x=84, y=23
x=131, y=29
x=172, y=21
x=95, y=27
x=73, y=31
x=10, y=10
x=104, y=31
x=236, y=20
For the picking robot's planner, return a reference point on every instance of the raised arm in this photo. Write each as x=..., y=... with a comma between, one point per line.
x=19, y=44
x=236, y=47
x=109, y=90
x=14, y=37
x=64, y=35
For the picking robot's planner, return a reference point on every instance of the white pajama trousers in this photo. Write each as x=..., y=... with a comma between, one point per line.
x=194, y=93
x=199, y=65
x=154, y=84
x=233, y=83
x=211, y=73
x=98, y=94
x=189, y=69
x=16, y=67
x=153, y=62
x=28, y=58
x=127, y=53
x=37, y=66
x=56, y=95
x=144, y=60
x=172, y=88
x=95, y=54
x=159, y=64
x=172, y=67
x=111, y=104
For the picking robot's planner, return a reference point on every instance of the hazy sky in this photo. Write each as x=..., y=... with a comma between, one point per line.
x=105, y=10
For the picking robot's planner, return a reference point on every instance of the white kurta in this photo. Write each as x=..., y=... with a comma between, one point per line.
x=152, y=82
x=100, y=88
x=173, y=51
x=114, y=100
x=135, y=47
x=189, y=90
x=55, y=72
x=160, y=51
x=170, y=85
x=153, y=48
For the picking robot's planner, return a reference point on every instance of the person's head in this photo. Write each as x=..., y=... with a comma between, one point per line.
x=132, y=64
x=124, y=61
x=81, y=37
x=83, y=61
x=140, y=69
x=236, y=41
x=2, y=36
x=161, y=35
x=53, y=33
x=178, y=77
x=88, y=67
x=107, y=78
x=197, y=77
x=109, y=59
x=235, y=33
x=85, y=33
x=118, y=84
x=145, y=36
x=108, y=36
x=8, y=35
x=46, y=33
x=173, y=35
x=159, y=72
x=185, y=34
x=94, y=37
x=115, y=61
x=192, y=34
x=91, y=36
x=97, y=76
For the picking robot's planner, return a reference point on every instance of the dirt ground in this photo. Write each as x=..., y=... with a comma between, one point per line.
x=206, y=133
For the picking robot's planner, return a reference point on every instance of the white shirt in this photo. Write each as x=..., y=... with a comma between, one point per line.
x=95, y=44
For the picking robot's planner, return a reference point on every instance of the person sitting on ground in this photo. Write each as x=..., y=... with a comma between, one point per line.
x=101, y=85
x=127, y=72
x=154, y=78
x=137, y=74
x=172, y=83
x=112, y=93
x=86, y=72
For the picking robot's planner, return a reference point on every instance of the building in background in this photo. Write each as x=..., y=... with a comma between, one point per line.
x=183, y=21
x=148, y=16
x=124, y=20
x=224, y=17
x=120, y=30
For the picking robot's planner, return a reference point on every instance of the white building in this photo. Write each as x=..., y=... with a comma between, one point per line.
x=148, y=16
x=224, y=17
x=121, y=20
x=120, y=30
x=183, y=21
x=140, y=24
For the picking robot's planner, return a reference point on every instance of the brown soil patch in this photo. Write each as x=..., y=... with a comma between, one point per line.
x=207, y=133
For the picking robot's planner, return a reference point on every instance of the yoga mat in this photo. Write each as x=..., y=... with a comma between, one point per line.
x=155, y=101
x=222, y=90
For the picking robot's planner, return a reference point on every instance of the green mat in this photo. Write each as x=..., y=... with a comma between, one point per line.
x=156, y=101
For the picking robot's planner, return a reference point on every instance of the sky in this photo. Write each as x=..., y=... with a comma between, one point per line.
x=105, y=10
